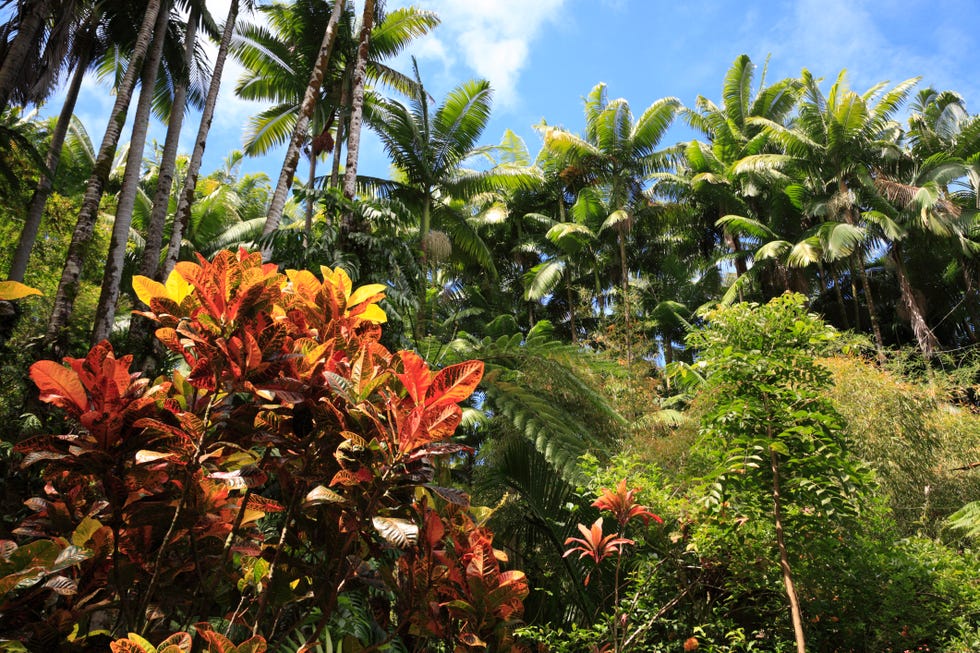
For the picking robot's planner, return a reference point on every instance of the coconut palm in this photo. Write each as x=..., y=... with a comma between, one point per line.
x=186, y=195
x=619, y=155
x=836, y=143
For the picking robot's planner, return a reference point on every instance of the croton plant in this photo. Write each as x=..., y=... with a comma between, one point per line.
x=283, y=470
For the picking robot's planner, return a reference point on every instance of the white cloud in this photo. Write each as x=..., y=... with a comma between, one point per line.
x=492, y=37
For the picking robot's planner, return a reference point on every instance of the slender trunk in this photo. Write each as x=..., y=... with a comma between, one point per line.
x=794, y=604
x=624, y=272
x=68, y=286
x=27, y=33
x=869, y=298
x=112, y=276
x=35, y=210
x=310, y=199
x=357, y=110
x=971, y=301
x=140, y=327
x=926, y=339
x=841, y=306
x=571, y=305
x=168, y=161
x=186, y=197
x=343, y=113
x=301, y=130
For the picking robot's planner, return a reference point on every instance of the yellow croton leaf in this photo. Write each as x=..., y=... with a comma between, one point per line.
x=11, y=290
x=371, y=312
x=147, y=289
x=304, y=283
x=337, y=277
x=176, y=288
x=374, y=313
x=364, y=293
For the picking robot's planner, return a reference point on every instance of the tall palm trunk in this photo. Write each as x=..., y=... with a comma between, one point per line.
x=357, y=110
x=35, y=210
x=624, y=272
x=27, y=33
x=926, y=339
x=64, y=299
x=139, y=327
x=343, y=113
x=186, y=197
x=168, y=160
x=302, y=128
x=310, y=198
x=858, y=262
x=105, y=313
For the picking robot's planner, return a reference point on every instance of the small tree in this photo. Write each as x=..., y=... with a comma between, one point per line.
x=779, y=443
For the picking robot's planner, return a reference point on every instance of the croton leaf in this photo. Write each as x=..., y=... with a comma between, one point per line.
x=60, y=386
x=453, y=384
x=400, y=532
x=11, y=290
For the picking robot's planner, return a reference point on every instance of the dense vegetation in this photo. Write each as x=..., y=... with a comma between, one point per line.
x=622, y=395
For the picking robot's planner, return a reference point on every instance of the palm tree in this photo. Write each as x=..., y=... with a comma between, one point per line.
x=428, y=149
x=835, y=145
x=300, y=130
x=619, y=155
x=357, y=108
x=67, y=287
x=279, y=59
x=707, y=177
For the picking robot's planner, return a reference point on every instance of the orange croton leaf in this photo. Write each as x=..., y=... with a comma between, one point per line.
x=453, y=384
x=60, y=386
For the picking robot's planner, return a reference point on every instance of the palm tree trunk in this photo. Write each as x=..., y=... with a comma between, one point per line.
x=112, y=276
x=343, y=115
x=970, y=296
x=794, y=603
x=35, y=210
x=357, y=111
x=139, y=327
x=68, y=286
x=168, y=160
x=310, y=199
x=27, y=32
x=186, y=197
x=571, y=306
x=858, y=261
x=301, y=130
x=624, y=272
x=926, y=339
x=838, y=296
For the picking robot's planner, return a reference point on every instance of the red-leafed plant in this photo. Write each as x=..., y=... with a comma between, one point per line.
x=288, y=418
x=597, y=546
x=455, y=575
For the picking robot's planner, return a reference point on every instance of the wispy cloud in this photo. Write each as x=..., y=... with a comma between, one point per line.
x=492, y=38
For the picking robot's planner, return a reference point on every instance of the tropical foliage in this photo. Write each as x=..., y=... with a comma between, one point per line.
x=711, y=395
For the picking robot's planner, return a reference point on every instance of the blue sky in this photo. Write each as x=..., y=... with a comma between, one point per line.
x=543, y=56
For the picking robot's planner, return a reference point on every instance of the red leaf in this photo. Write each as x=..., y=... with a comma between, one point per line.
x=453, y=384
x=60, y=386
x=416, y=376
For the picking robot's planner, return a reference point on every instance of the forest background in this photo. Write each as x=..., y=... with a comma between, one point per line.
x=701, y=363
